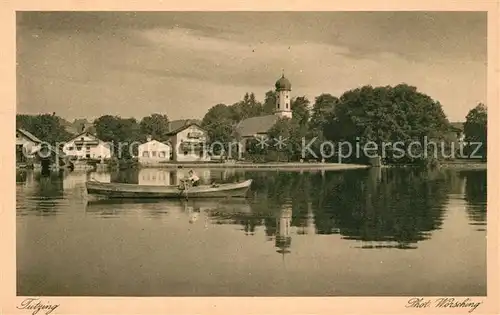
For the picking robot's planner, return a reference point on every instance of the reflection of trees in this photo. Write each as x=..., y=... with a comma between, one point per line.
x=48, y=193
x=475, y=195
x=393, y=207
x=21, y=176
x=403, y=208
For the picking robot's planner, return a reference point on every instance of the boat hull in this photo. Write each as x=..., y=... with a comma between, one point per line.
x=118, y=190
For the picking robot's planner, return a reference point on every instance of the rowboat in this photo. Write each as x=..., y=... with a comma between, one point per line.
x=119, y=190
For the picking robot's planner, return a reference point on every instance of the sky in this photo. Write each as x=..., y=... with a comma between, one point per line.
x=133, y=64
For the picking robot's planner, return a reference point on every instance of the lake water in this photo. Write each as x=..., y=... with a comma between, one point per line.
x=353, y=233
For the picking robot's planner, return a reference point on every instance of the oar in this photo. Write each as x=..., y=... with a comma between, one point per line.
x=185, y=190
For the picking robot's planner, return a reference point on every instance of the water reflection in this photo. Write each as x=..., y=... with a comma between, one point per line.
x=39, y=194
x=283, y=239
x=476, y=197
x=214, y=209
x=377, y=208
x=321, y=222
x=381, y=209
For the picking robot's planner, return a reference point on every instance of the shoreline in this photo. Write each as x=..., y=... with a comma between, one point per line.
x=261, y=166
x=472, y=166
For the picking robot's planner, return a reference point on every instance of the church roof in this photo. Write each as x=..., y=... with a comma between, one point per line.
x=283, y=84
x=255, y=125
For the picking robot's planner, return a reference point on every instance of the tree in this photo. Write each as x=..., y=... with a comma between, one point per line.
x=300, y=110
x=476, y=130
x=156, y=126
x=387, y=115
x=286, y=139
x=323, y=106
x=217, y=113
x=46, y=127
x=218, y=122
x=248, y=107
x=121, y=132
x=269, y=103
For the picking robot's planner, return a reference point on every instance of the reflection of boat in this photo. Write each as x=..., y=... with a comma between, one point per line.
x=119, y=190
x=211, y=206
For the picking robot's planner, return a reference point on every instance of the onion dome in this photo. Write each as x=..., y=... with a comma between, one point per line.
x=283, y=84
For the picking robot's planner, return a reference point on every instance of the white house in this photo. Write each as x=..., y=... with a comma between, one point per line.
x=87, y=146
x=154, y=152
x=189, y=141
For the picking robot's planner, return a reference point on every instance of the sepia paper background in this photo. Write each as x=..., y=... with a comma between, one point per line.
x=326, y=305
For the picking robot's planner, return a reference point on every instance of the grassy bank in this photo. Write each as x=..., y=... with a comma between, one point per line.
x=464, y=164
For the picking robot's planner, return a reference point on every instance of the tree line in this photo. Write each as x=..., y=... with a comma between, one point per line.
x=386, y=114
x=367, y=114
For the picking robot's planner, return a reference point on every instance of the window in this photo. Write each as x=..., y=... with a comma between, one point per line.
x=185, y=152
x=162, y=154
x=70, y=148
x=145, y=154
x=153, y=153
x=287, y=96
x=286, y=105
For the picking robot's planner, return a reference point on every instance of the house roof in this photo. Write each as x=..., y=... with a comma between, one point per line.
x=255, y=125
x=88, y=133
x=175, y=126
x=29, y=135
x=85, y=133
x=156, y=141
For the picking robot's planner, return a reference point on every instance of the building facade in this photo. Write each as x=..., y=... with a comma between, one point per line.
x=154, y=152
x=189, y=142
x=87, y=146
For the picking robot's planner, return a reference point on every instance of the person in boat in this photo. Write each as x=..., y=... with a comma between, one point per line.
x=193, y=178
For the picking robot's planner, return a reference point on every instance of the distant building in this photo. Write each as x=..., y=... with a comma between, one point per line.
x=87, y=146
x=189, y=141
x=26, y=146
x=154, y=152
x=256, y=127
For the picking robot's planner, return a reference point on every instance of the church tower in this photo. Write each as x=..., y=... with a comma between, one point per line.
x=283, y=101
